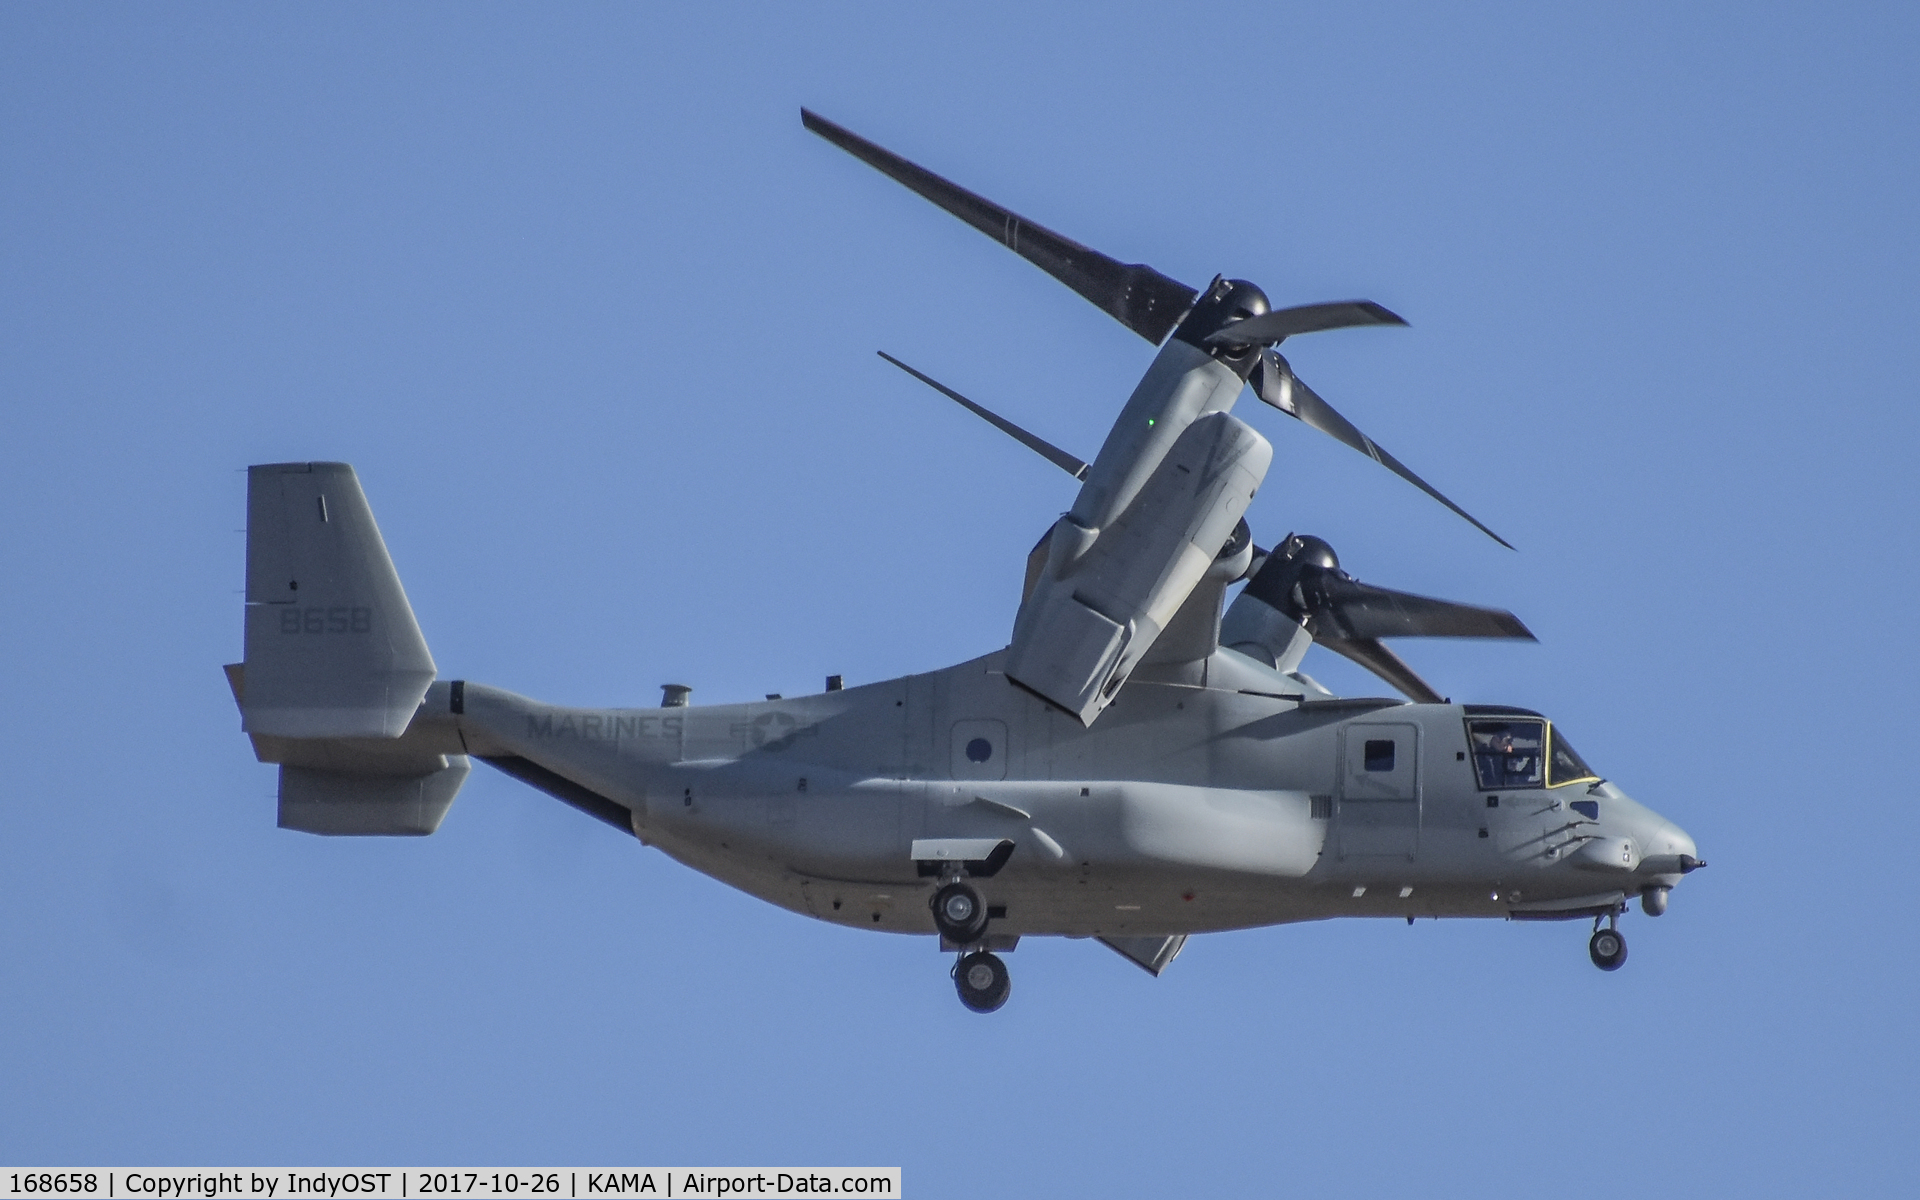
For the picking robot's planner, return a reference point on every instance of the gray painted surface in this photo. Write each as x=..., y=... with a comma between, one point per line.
x=1151, y=785
x=332, y=646
x=1141, y=536
x=338, y=802
x=1190, y=806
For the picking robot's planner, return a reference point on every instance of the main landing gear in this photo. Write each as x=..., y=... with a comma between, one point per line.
x=961, y=917
x=982, y=981
x=1608, y=947
x=959, y=913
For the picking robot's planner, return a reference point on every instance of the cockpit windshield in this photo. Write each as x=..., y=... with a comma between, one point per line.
x=1515, y=752
x=1564, y=764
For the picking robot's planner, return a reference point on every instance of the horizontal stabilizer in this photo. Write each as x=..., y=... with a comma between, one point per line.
x=367, y=786
x=339, y=803
x=332, y=649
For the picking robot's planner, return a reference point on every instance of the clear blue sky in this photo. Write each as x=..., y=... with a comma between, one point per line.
x=595, y=321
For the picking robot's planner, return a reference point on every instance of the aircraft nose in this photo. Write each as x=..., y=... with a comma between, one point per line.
x=1675, y=841
x=1670, y=852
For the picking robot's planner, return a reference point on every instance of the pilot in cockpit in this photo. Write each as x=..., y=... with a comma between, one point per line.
x=1520, y=762
x=1502, y=760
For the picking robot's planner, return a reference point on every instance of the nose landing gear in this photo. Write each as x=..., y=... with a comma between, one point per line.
x=1607, y=948
x=982, y=981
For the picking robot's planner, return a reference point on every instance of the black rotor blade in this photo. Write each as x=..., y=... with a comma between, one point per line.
x=1333, y=604
x=1274, y=382
x=1281, y=324
x=1386, y=664
x=1136, y=295
x=1039, y=445
x=1360, y=610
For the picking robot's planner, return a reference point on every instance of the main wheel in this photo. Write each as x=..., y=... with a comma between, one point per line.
x=982, y=981
x=1608, y=949
x=959, y=914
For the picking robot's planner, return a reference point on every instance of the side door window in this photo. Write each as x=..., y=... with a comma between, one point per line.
x=1381, y=763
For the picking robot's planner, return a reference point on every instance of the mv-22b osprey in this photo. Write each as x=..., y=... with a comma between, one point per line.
x=1132, y=767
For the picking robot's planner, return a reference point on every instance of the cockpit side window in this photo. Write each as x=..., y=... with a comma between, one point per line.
x=1508, y=753
x=1564, y=764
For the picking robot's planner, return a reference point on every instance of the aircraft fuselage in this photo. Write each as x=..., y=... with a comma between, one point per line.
x=1207, y=798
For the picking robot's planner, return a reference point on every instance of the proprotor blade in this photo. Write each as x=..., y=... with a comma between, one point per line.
x=1274, y=382
x=1034, y=442
x=1281, y=324
x=1386, y=664
x=1361, y=610
x=1336, y=605
x=1301, y=578
x=1136, y=295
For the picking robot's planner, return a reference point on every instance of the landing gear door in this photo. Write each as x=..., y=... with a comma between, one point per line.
x=1380, y=790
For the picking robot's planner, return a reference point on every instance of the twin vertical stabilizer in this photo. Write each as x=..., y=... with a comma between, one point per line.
x=336, y=667
x=332, y=646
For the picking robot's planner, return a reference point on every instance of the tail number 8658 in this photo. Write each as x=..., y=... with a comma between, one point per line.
x=340, y=618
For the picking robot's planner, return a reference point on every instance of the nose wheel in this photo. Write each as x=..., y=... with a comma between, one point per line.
x=1608, y=947
x=982, y=981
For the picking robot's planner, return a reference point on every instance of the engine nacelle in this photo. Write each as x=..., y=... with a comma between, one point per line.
x=1092, y=616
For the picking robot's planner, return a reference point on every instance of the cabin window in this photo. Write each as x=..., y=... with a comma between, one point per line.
x=1379, y=755
x=1507, y=753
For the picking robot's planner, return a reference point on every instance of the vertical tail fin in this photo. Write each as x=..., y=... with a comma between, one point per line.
x=332, y=649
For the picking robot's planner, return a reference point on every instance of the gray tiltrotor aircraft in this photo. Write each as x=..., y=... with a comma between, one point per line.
x=1132, y=767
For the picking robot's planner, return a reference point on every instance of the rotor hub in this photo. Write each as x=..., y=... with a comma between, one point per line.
x=1227, y=302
